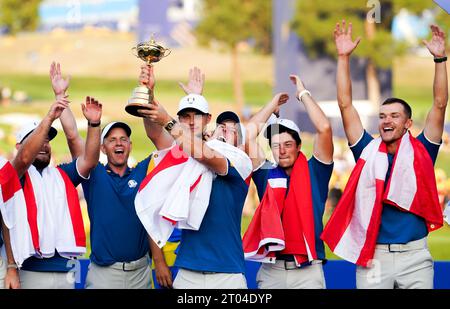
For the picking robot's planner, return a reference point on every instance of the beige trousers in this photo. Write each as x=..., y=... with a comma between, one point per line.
x=133, y=275
x=407, y=266
x=2, y=273
x=276, y=276
x=46, y=280
x=187, y=279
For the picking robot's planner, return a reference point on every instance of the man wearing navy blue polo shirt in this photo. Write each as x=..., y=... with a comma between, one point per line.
x=299, y=264
x=401, y=258
x=60, y=237
x=211, y=257
x=119, y=242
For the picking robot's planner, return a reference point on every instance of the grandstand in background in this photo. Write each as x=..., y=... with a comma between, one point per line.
x=171, y=21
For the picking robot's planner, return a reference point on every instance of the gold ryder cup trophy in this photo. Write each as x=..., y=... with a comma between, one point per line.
x=149, y=52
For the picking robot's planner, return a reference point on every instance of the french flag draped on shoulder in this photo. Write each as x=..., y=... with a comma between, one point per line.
x=352, y=230
x=176, y=191
x=13, y=209
x=283, y=223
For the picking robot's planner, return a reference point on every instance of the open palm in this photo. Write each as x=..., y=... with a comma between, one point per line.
x=343, y=39
x=436, y=45
x=59, y=84
x=195, y=83
x=92, y=110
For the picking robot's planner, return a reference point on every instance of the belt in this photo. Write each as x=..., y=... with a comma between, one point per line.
x=290, y=265
x=412, y=245
x=131, y=266
x=202, y=272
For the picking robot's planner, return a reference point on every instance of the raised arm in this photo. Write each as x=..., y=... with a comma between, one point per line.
x=159, y=137
x=323, y=142
x=60, y=86
x=191, y=144
x=29, y=149
x=345, y=45
x=92, y=111
x=434, y=124
x=257, y=123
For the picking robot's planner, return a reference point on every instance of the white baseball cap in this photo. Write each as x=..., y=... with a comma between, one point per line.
x=194, y=101
x=29, y=127
x=289, y=124
x=112, y=125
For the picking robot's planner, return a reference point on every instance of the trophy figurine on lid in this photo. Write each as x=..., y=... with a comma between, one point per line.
x=142, y=96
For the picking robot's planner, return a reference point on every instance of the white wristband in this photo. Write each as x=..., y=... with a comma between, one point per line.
x=302, y=93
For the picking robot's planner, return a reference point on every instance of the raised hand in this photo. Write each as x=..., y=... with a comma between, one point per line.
x=436, y=45
x=343, y=39
x=58, y=107
x=297, y=82
x=147, y=77
x=156, y=113
x=218, y=133
x=92, y=110
x=195, y=83
x=59, y=84
x=278, y=100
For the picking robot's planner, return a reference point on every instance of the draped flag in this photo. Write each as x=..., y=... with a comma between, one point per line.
x=352, y=230
x=176, y=191
x=283, y=223
x=53, y=213
x=13, y=209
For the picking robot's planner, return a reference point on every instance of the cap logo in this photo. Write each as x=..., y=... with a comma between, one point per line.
x=191, y=100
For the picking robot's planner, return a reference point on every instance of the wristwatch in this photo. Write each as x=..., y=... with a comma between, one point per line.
x=440, y=59
x=170, y=125
x=93, y=125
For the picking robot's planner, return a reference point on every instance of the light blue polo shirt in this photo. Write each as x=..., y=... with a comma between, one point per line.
x=56, y=263
x=319, y=174
x=397, y=226
x=217, y=245
x=117, y=234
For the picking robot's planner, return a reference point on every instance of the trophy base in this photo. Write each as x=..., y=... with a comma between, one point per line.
x=133, y=108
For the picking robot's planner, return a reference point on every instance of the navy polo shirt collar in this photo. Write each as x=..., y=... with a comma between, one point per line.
x=110, y=171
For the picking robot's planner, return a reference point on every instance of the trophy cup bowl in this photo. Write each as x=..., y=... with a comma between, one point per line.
x=149, y=52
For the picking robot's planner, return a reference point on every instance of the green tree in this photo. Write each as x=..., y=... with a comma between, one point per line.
x=19, y=15
x=315, y=20
x=231, y=22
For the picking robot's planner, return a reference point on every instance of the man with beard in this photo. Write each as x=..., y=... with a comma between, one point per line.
x=390, y=202
x=53, y=209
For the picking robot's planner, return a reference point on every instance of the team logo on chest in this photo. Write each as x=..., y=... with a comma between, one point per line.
x=132, y=183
